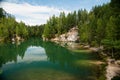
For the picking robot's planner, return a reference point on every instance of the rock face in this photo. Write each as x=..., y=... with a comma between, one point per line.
x=113, y=69
x=17, y=38
x=70, y=36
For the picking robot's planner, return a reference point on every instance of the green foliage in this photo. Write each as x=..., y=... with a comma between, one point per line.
x=10, y=29
x=59, y=25
x=115, y=7
x=100, y=31
x=1, y=13
x=47, y=31
x=101, y=26
x=35, y=31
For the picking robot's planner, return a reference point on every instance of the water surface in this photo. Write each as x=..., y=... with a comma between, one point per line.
x=37, y=60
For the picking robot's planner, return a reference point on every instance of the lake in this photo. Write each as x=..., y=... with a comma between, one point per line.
x=34, y=59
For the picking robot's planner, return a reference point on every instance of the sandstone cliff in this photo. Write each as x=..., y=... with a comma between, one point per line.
x=70, y=36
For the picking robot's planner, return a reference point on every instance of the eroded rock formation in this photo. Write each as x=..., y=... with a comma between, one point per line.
x=70, y=36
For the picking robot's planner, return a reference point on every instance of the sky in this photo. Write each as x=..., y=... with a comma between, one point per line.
x=37, y=12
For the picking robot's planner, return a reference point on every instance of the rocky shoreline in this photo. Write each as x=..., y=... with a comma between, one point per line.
x=112, y=69
x=113, y=66
x=69, y=40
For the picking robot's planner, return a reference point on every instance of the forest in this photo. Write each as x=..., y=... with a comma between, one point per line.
x=9, y=28
x=99, y=26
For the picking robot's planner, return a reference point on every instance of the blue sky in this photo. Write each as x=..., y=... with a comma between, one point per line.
x=35, y=12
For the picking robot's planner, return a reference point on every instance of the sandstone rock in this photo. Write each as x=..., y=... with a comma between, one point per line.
x=55, y=39
x=112, y=69
x=63, y=37
x=70, y=36
x=118, y=62
x=94, y=49
x=18, y=38
x=44, y=38
x=87, y=46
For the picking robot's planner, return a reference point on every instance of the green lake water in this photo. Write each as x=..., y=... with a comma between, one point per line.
x=37, y=60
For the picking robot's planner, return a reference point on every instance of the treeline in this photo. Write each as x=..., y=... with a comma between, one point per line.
x=35, y=31
x=59, y=25
x=10, y=28
x=100, y=26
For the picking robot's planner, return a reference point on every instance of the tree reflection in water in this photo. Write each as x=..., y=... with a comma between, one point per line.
x=34, y=54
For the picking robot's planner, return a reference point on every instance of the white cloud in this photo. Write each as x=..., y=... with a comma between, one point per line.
x=30, y=14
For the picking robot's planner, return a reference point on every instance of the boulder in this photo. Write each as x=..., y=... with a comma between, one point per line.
x=87, y=46
x=94, y=49
x=118, y=62
x=18, y=38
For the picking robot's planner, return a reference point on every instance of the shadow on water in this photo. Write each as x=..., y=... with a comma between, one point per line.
x=59, y=64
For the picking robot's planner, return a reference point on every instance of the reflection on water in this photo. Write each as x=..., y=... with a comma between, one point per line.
x=38, y=60
x=34, y=53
